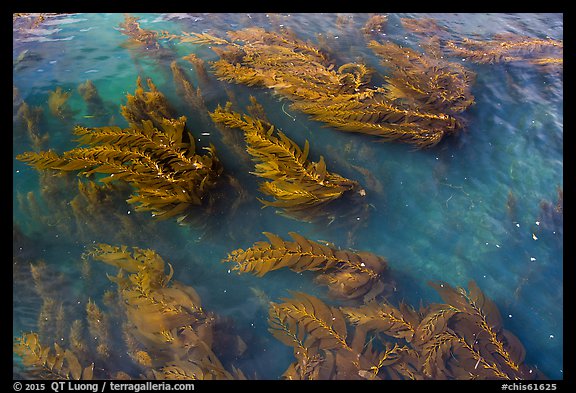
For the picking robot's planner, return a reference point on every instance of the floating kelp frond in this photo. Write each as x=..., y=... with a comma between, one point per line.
x=146, y=105
x=348, y=274
x=295, y=183
x=509, y=47
x=156, y=155
x=375, y=25
x=160, y=323
x=325, y=349
x=461, y=339
x=301, y=72
x=48, y=363
x=424, y=82
x=161, y=164
x=132, y=29
x=191, y=94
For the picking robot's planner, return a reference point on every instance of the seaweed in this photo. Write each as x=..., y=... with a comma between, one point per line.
x=139, y=36
x=460, y=339
x=32, y=116
x=348, y=274
x=151, y=105
x=58, y=103
x=343, y=97
x=163, y=328
x=296, y=184
x=94, y=102
x=375, y=25
x=425, y=82
x=510, y=48
x=156, y=155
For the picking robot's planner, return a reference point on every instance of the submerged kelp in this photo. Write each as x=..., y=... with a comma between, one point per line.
x=156, y=155
x=341, y=97
x=461, y=339
x=58, y=103
x=297, y=184
x=348, y=274
x=76, y=209
x=164, y=329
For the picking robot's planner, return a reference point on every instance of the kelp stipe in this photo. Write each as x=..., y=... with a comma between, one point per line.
x=296, y=184
x=156, y=155
x=347, y=274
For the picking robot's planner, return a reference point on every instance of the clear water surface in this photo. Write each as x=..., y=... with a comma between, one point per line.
x=467, y=209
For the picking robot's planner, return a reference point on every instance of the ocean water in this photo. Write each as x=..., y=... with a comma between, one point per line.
x=472, y=207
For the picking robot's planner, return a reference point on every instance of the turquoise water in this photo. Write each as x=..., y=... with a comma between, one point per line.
x=469, y=208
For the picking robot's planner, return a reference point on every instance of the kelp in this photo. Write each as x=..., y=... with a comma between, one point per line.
x=341, y=97
x=58, y=103
x=91, y=96
x=54, y=363
x=161, y=325
x=325, y=349
x=348, y=274
x=139, y=36
x=32, y=117
x=151, y=105
x=296, y=184
x=191, y=94
x=509, y=48
x=461, y=339
x=425, y=82
x=375, y=25
x=156, y=155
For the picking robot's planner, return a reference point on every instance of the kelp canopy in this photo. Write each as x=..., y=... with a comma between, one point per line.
x=156, y=154
x=344, y=97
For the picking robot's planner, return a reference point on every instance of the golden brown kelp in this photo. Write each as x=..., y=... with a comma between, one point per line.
x=144, y=105
x=509, y=47
x=199, y=67
x=44, y=362
x=192, y=95
x=325, y=349
x=31, y=117
x=340, y=97
x=425, y=82
x=58, y=103
x=94, y=102
x=296, y=184
x=348, y=274
x=375, y=25
x=461, y=339
x=159, y=161
x=139, y=36
x=160, y=323
x=166, y=318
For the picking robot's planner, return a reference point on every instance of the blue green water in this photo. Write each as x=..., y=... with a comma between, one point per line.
x=470, y=208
